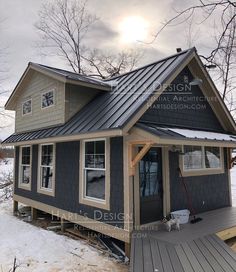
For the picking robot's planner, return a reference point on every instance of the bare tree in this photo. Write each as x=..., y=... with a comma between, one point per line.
x=63, y=27
x=224, y=52
x=106, y=65
x=4, y=116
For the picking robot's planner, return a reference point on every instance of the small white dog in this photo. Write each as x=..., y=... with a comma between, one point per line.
x=171, y=223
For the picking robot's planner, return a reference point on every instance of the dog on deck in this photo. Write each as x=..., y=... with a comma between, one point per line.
x=169, y=224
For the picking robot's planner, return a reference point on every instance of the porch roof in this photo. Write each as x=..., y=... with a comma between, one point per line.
x=181, y=134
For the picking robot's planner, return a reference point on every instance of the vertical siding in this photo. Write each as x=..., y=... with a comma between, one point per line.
x=67, y=182
x=207, y=192
x=35, y=86
x=183, y=107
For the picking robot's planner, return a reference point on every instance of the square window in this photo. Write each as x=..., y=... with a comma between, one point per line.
x=193, y=157
x=47, y=99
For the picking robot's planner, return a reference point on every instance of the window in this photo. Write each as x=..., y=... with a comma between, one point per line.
x=202, y=158
x=47, y=99
x=193, y=157
x=46, y=168
x=94, y=169
x=27, y=107
x=25, y=167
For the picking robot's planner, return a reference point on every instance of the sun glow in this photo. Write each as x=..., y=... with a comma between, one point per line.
x=133, y=28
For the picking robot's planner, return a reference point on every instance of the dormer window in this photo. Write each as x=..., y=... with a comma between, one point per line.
x=47, y=99
x=27, y=107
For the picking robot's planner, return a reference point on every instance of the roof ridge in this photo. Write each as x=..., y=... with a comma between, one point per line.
x=152, y=63
x=67, y=71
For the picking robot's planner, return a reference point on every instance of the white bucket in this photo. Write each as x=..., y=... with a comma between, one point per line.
x=182, y=215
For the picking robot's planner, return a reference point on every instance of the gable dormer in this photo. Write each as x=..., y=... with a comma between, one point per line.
x=46, y=97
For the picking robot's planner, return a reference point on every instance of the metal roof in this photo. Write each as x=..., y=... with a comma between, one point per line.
x=112, y=110
x=181, y=133
x=72, y=75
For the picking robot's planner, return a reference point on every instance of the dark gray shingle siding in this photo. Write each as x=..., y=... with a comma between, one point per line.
x=67, y=180
x=188, y=117
x=213, y=190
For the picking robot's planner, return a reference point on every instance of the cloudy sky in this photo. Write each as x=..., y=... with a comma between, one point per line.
x=120, y=24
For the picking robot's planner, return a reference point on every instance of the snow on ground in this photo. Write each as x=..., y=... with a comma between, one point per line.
x=39, y=250
x=6, y=167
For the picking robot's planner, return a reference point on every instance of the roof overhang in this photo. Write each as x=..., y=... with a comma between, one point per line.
x=180, y=136
x=10, y=104
x=25, y=138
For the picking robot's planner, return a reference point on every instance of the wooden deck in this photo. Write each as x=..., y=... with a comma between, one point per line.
x=195, y=248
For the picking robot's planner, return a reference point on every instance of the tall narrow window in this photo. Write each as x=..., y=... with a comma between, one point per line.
x=47, y=99
x=94, y=169
x=25, y=166
x=46, y=167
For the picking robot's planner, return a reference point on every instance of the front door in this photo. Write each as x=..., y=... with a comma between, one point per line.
x=150, y=185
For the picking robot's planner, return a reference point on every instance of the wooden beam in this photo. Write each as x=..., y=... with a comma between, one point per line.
x=227, y=234
x=63, y=225
x=33, y=213
x=15, y=207
x=139, y=156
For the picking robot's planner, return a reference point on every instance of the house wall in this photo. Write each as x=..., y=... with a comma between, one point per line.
x=67, y=182
x=207, y=192
x=183, y=105
x=35, y=86
x=76, y=98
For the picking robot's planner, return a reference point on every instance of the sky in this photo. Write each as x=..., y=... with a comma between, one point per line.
x=119, y=26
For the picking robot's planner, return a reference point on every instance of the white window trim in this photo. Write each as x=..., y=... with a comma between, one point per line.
x=29, y=113
x=48, y=91
x=46, y=191
x=202, y=171
x=20, y=184
x=83, y=199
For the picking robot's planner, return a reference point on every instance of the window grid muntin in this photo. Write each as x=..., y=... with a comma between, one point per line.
x=45, y=166
x=25, y=165
x=85, y=169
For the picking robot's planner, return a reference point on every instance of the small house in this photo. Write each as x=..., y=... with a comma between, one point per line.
x=111, y=155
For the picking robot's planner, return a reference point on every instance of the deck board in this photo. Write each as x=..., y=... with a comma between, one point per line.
x=155, y=252
x=195, y=248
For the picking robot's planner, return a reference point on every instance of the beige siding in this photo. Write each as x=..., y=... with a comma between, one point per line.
x=40, y=118
x=76, y=98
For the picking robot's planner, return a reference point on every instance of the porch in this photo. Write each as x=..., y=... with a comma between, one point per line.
x=195, y=248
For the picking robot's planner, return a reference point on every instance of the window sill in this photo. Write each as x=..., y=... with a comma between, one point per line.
x=46, y=192
x=202, y=172
x=24, y=186
x=101, y=204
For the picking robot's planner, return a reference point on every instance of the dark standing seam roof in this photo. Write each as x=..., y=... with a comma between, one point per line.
x=112, y=110
x=170, y=133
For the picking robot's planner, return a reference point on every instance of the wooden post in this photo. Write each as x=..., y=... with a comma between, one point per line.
x=63, y=225
x=127, y=249
x=15, y=207
x=33, y=213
